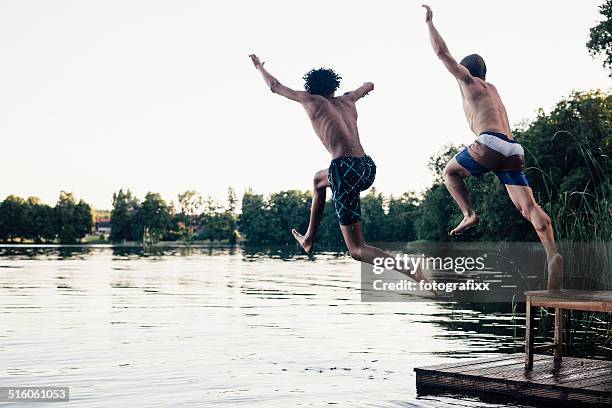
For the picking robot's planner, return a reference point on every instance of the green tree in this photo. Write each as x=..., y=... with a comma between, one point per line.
x=435, y=214
x=500, y=220
x=438, y=161
x=329, y=231
x=400, y=219
x=253, y=223
x=569, y=149
x=153, y=216
x=218, y=223
x=190, y=203
x=216, y=227
x=600, y=41
x=568, y=156
x=40, y=221
x=84, y=219
x=287, y=210
x=270, y=221
x=74, y=220
x=437, y=210
x=232, y=202
x=12, y=218
x=373, y=216
x=125, y=207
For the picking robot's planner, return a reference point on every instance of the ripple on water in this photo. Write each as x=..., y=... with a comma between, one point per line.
x=198, y=327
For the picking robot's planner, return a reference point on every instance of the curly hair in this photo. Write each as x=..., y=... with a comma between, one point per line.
x=322, y=81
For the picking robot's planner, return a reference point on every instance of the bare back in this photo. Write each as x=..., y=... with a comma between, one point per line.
x=483, y=107
x=334, y=120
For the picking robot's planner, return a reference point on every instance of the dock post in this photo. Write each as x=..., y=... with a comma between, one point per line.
x=558, y=334
x=528, y=335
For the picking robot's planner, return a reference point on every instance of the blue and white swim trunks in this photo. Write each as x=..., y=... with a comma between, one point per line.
x=495, y=152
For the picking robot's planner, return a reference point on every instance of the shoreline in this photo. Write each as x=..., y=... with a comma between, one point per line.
x=163, y=244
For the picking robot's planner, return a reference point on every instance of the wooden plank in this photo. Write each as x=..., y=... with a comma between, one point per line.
x=593, y=383
x=550, y=376
x=596, y=301
x=467, y=362
x=545, y=371
x=573, y=295
x=499, y=366
x=587, y=306
x=605, y=386
x=502, y=360
x=547, y=368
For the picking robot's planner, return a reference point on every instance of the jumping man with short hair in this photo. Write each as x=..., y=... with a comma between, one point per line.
x=495, y=150
x=334, y=120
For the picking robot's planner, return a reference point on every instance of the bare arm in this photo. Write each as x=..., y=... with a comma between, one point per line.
x=360, y=92
x=275, y=85
x=440, y=48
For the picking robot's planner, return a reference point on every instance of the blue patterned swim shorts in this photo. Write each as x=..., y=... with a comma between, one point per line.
x=348, y=176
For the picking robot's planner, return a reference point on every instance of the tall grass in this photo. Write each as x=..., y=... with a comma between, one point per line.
x=582, y=220
x=586, y=215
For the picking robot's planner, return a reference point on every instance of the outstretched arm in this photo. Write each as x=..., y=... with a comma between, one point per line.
x=360, y=92
x=275, y=85
x=459, y=71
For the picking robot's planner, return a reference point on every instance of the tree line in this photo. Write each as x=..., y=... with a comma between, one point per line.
x=262, y=220
x=155, y=220
x=31, y=220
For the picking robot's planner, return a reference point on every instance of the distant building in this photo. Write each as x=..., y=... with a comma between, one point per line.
x=103, y=225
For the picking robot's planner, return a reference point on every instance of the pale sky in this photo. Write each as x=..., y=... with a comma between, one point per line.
x=160, y=95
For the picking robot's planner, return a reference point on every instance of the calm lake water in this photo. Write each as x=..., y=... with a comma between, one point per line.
x=226, y=328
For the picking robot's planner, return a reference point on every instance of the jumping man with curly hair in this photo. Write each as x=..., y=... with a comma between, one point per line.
x=334, y=120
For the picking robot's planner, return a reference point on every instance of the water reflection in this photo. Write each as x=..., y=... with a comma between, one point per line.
x=201, y=326
x=37, y=251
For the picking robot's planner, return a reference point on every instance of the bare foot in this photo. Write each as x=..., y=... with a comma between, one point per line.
x=419, y=276
x=467, y=223
x=302, y=240
x=555, y=272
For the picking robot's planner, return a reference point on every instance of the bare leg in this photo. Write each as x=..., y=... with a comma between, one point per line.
x=316, y=211
x=360, y=251
x=454, y=173
x=522, y=197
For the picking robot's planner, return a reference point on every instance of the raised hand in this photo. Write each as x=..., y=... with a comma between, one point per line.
x=429, y=15
x=255, y=59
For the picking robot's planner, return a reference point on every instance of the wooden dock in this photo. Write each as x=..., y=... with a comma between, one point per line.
x=573, y=382
x=561, y=299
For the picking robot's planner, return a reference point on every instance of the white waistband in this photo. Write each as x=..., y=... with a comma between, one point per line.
x=501, y=146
